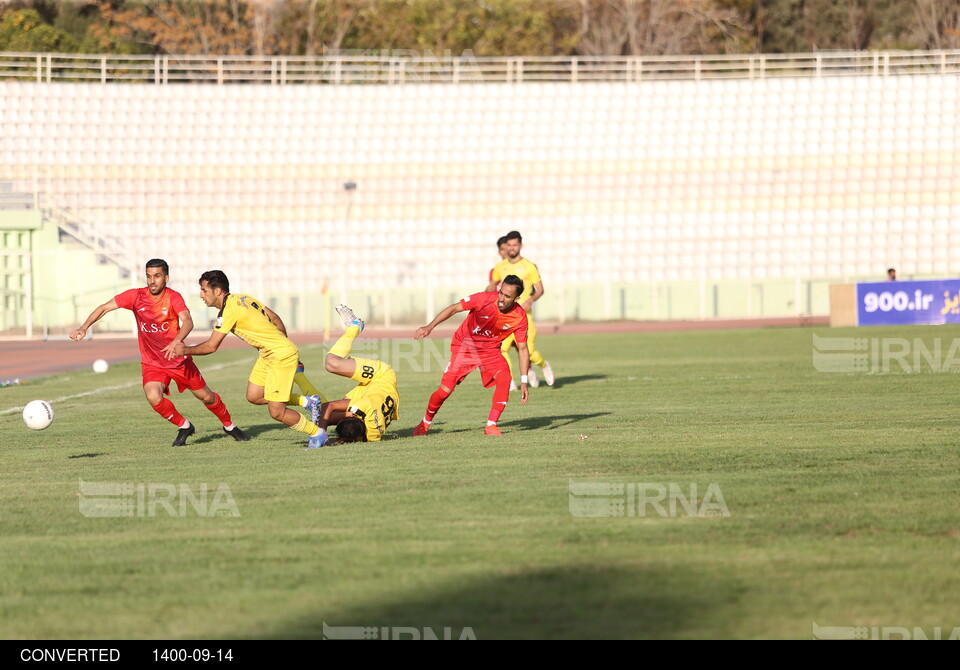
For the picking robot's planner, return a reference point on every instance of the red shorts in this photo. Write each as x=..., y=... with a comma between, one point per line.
x=463, y=362
x=187, y=376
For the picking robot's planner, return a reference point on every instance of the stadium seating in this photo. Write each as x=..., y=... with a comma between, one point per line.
x=738, y=179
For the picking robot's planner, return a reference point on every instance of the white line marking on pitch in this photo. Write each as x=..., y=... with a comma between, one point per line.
x=105, y=389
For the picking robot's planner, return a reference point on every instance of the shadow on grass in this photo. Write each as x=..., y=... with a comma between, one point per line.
x=551, y=422
x=100, y=453
x=530, y=423
x=217, y=434
x=564, y=381
x=581, y=602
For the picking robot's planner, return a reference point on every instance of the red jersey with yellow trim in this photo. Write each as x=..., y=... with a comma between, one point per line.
x=486, y=326
x=157, y=323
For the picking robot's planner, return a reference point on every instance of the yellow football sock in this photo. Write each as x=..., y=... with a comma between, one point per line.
x=537, y=358
x=306, y=387
x=345, y=343
x=300, y=400
x=306, y=426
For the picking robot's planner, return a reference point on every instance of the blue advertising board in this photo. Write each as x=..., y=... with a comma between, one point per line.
x=908, y=303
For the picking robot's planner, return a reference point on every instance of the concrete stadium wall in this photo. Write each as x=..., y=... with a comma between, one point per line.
x=66, y=281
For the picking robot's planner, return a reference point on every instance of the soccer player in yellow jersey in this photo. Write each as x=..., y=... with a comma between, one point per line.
x=515, y=264
x=502, y=250
x=271, y=381
x=366, y=411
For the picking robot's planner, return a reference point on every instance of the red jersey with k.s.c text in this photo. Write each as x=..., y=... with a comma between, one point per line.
x=486, y=326
x=157, y=323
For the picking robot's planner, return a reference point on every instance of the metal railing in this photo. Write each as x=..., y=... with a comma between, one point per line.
x=404, y=68
x=70, y=222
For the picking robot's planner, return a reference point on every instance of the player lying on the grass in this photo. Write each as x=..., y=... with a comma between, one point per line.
x=272, y=377
x=163, y=320
x=493, y=317
x=369, y=408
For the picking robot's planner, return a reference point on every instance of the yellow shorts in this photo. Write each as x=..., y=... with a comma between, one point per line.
x=275, y=373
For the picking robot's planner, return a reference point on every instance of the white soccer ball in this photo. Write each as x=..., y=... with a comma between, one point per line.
x=100, y=366
x=38, y=414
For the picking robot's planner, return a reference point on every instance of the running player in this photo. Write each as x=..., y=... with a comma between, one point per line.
x=163, y=322
x=271, y=381
x=369, y=408
x=515, y=264
x=493, y=317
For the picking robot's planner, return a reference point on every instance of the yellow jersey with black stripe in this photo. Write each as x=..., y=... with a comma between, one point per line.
x=244, y=316
x=524, y=269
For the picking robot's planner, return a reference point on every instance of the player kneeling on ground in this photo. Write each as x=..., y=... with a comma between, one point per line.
x=366, y=411
x=494, y=316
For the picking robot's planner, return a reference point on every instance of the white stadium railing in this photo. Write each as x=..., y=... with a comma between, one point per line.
x=401, y=66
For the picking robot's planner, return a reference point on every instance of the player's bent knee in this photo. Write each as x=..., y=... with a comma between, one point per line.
x=333, y=363
x=277, y=411
x=445, y=389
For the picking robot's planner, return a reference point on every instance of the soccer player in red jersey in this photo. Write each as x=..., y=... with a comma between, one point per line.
x=163, y=322
x=494, y=316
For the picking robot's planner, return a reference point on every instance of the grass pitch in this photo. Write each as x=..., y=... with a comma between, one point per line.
x=841, y=490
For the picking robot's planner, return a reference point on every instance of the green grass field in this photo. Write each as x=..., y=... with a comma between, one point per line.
x=842, y=491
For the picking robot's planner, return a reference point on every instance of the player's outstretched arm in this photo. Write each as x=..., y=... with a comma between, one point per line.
x=202, y=349
x=186, y=326
x=524, y=368
x=95, y=316
x=446, y=313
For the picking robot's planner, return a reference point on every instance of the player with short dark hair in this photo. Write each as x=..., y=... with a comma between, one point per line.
x=494, y=316
x=366, y=411
x=163, y=322
x=272, y=377
x=502, y=250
